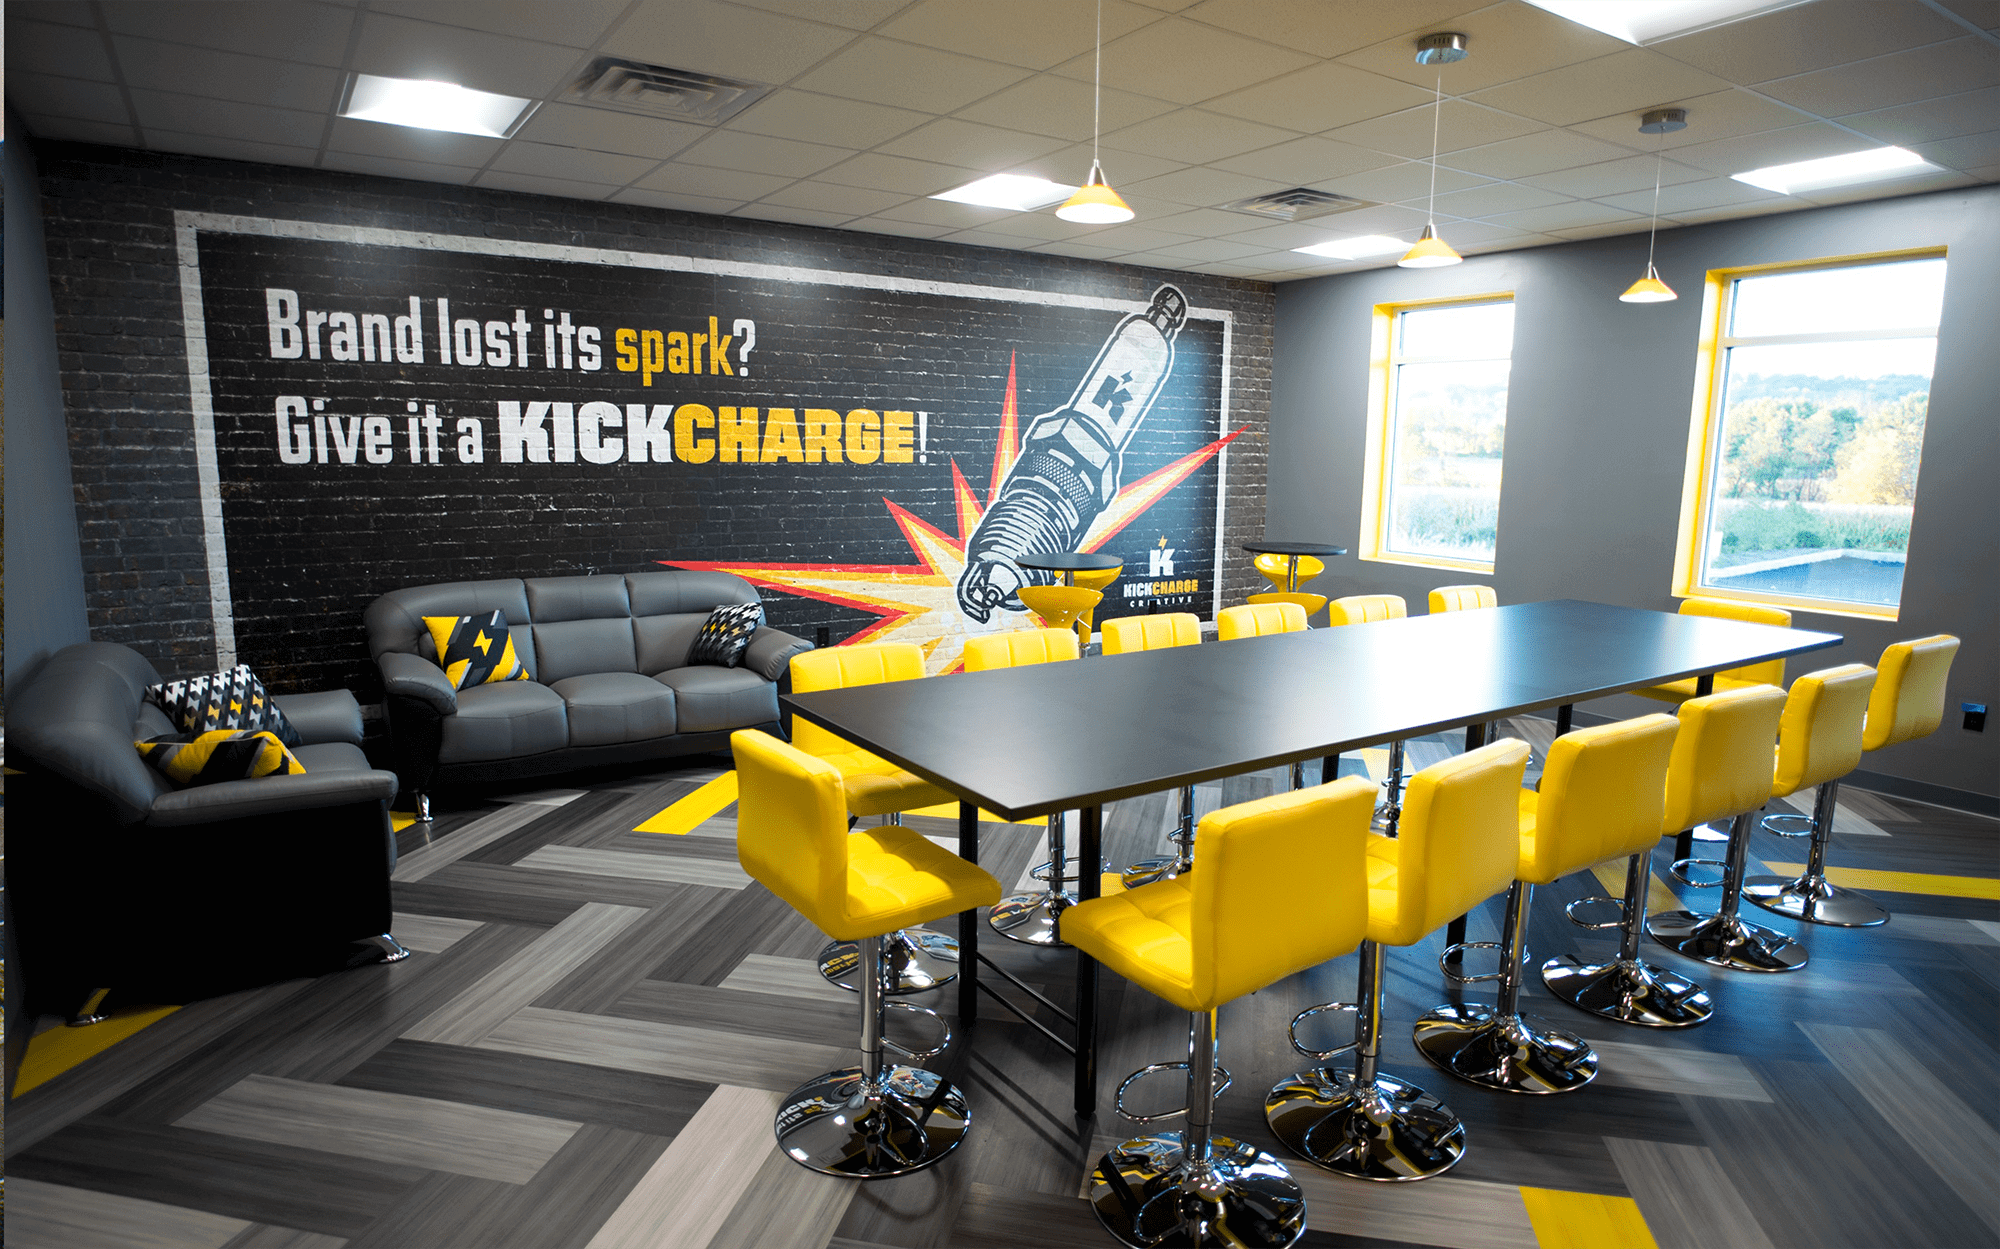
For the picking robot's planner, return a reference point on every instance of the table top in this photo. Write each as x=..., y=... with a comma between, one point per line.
x=1027, y=741
x=1069, y=561
x=1293, y=548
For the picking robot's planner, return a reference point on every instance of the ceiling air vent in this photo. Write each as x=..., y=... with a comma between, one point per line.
x=658, y=91
x=1298, y=204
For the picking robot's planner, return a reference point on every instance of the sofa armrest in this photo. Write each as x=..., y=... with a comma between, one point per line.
x=322, y=717
x=269, y=795
x=771, y=651
x=414, y=677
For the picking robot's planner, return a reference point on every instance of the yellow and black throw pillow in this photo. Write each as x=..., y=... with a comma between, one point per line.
x=221, y=755
x=233, y=699
x=725, y=635
x=476, y=650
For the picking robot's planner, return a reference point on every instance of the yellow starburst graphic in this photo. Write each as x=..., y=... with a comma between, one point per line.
x=919, y=602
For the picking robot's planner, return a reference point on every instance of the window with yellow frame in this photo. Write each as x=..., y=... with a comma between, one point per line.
x=1437, y=419
x=1813, y=385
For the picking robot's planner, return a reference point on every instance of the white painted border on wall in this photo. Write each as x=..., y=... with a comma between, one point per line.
x=187, y=225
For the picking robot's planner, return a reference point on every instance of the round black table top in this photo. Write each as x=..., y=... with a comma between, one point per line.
x=1069, y=561
x=1293, y=548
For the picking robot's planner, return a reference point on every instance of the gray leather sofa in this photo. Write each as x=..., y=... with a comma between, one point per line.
x=121, y=881
x=611, y=682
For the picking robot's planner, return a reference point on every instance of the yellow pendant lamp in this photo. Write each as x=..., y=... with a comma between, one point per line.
x=1650, y=289
x=1432, y=252
x=1095, y=203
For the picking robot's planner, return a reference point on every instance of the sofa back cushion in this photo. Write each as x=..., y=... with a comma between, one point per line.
x=668, y=609
x=78, y=717
x=395, y=621
x=664, y=640
x=582, y=625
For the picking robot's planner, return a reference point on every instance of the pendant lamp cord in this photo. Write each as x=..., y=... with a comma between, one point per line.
x=1097, y=94
x=1437, y=112
x=1658, y=161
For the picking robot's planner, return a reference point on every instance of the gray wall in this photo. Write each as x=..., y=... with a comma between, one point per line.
x=44, y=562
x=1597, y=429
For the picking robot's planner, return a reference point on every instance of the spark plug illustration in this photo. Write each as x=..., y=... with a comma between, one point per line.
x=1071, y=459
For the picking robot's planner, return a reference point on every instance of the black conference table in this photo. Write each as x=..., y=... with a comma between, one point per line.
x=1023, y=742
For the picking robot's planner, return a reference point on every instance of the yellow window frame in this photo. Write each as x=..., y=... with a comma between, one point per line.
x=1705, y=428
x=1378, y=454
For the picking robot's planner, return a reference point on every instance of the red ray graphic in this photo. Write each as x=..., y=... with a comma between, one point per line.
x=1003, y=459
x=965, y=503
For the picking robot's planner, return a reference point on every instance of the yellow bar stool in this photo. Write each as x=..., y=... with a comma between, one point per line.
x=874, y=787
x=1062, y=607
x=1282, y=887
x=1099, y=581
x=1459, y=846
x=1309, y=603
x=1287, y=573
x=1907, y=702
x=872, y=1120
x=1722, y=768
x=1770, y=672
x=1602, y=798
x=1123, y=636
x=1366, y=609
x=1462, y=598
x=1254, y=620
x=1030, y=918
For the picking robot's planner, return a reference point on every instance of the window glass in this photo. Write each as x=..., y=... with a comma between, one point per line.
x=1819, y=443
x=1448, y=420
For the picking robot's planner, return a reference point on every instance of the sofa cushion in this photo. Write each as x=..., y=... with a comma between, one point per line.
x=322, y=716
x=709, y=700
x=572, y=648
x=663, y=641
x=395, y=621
x=504, y=721
x=336, y=774
x=576, y=598
x=220, y=755
x=231, y=699
x=685, y=590
x=333, y=759
x=476, y=649
x=607, y=708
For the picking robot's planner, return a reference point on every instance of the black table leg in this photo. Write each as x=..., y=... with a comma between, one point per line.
x=1329, y=769
x=968, y=921
x=1704, y=685
x=1564, y=714
x=1454, y=932
x=1475, y=737
x=1090, y=866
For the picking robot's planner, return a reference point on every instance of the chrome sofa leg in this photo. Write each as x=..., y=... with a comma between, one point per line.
x=387, y=947
x=423, y=807
x=92, y=1011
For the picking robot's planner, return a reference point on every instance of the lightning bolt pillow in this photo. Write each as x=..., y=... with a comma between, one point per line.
x=223, y=755
x=234, y=699
x=476, y=650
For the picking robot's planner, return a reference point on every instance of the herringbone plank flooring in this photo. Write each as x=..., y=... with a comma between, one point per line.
x=587, y=1047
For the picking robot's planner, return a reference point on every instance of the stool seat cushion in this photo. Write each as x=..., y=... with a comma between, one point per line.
x=1682, y=690
x=896, y=878
x=1143, y=934
x=882, y=793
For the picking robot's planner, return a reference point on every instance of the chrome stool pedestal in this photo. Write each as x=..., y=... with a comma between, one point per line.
x=1166, y=867
x=1389, y=811
x=1812, y=897
x=1035, y=918
x=1367, y=1126
x=1627, y=989
x=1724, y=939
x=1496, y=1047
x=917, y=958
x=873, y=1120
x=1193, y=1188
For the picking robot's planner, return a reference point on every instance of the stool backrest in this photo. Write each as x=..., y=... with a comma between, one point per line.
x=1723, y=759
x=1463, y=597
x=843, y=667
x=1909, y=691
x=1458, y=844
x=1276, y=568
x=1603, y=796
x=1283, y=886
x=791, y=825
x=1771, y=671
x=1018, y=648
x=1253, y=620
x=1150, y=633
x=1366, y=608
x=1819, y=735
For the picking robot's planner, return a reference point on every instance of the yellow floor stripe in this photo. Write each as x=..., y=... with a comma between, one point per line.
x=399, y=821
x=1659, y=898
x=56, y=1050
x=1903, y=882
x=1586, y=1220
x=949, y=811
x=681, y=818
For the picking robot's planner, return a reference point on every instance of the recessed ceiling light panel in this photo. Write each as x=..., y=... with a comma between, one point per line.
x=1650, y=21
x=429, y=105
x=1012, y=191
x=1355, y=248
x=1873, y=165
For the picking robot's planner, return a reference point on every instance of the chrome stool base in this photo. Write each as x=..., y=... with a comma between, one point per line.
x=837, y=1125
x=922, y=960
x=1814, y=900
x=1628, y=991
x=1389, y=1131
x=1031, y=918
x=1726, y=941
x=1149, y=1194
x=1481, y=1046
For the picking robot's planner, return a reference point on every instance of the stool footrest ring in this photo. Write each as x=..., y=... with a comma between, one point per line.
x=944, y=1032
x=1459, y=949
x=1309, y=1012
x=1679, y=869
x=1787, y=825
x=1596, y=899
x=1044, y=870
x=1222, y=1077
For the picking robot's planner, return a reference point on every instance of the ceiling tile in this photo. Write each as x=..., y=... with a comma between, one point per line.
x=1042, y=225
x=983, y=238
x=190, y=114
x=1504, y=42
x=77, y=130
x=1408, y=133
x=1203, y=187
x=1186, y=62
x=1327, y=28
x=1132, y=237
x=1965, y=152
x=67, y=97
x=713, y=38
x=943, y=213
x=1072, y=164
x=1541, y=152
x=1319, y=97
x=756, y=153
x=1210, y=250
x=1599, y=230
x=1568, y=217
x=734, y=185
x=1943, y=181
x=1954, y=115
x=1283, y=236
x=1627, y=81
x=312, y=33
x=149, y=65
x=1196, y=137
x=1733, y=212
x=796, y=216
x=1772, y=147
x=1380, y=219
x=905, y=229
x=1303, y=162
x=898, y=74
x=534, y=184
x=551, y=161
x=896, y=173
x=1716, y=115
x=60, y=12
x=1035, y=33
x=72, y=50
x=1985, y=13
x=853, y=14
x=574, y=23
x=1203, y=222
x=370, y=138
x=1470, y=234
x=814, y=118
x=1901, y=78
x=230, y=147
x=1614, y=177
x=1807, y=37
x=390, y=167
x=1492, y=199
x=1060, y=107
x=675, y=201
x=603, y=130
x=1401, y=182
x=400, y=48
x=827, y=197
x=1686, y=197
x=952, y=141
x=1078, y=249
